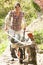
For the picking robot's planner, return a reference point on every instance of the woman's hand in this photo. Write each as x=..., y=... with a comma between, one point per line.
x=19, y=54
x=5, y=29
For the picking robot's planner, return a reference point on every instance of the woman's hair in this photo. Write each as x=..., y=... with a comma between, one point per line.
x=17, y=4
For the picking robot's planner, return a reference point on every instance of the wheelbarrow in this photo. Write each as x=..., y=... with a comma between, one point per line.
x=22, y=49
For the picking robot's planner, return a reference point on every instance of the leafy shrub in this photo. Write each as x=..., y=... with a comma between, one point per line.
x=36, y=6
x=3, y=41
x=1, y=22
x=38, y=37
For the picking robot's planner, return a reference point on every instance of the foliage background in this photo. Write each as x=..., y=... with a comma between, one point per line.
x=30, y=9
x=28, y=6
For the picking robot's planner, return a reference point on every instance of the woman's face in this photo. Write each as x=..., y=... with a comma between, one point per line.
x=17, y=8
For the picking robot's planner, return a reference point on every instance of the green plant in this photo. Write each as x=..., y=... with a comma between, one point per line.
x=40, y=46
x=3, y=41
x=36, y=6
x=38, y=37
x=1, y=21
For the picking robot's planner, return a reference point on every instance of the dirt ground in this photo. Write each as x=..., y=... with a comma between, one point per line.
x=5, y=59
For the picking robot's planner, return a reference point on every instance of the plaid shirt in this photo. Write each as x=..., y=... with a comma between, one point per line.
x=17, y=20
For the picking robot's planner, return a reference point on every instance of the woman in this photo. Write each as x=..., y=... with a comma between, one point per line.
x=16, y=20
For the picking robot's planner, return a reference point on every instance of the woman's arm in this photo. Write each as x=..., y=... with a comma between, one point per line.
x=23, y=23
x=7, y=20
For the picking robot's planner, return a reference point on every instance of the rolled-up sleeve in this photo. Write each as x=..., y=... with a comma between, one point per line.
x=8, y=18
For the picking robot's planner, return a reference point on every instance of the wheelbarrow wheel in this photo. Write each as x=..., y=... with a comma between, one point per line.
x=20, y=55
x=13, y=54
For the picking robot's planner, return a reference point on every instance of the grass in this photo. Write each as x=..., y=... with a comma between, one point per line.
x=1, y=21
x=3, y=37
x=3, y=46
x=3, y=41
x=40, y=46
